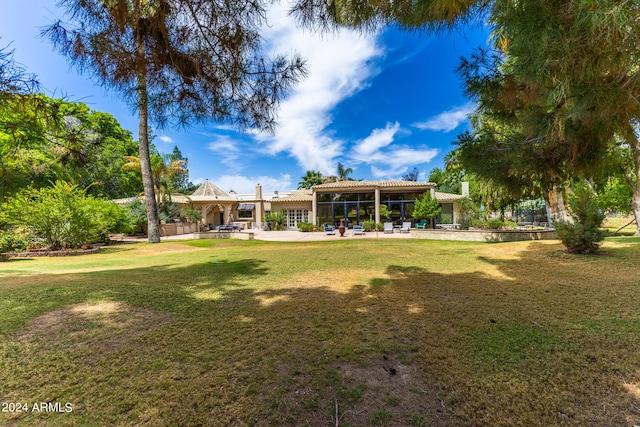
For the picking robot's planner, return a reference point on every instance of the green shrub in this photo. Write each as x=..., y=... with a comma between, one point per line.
x=426, y=207
x=305, y=226
x=468, y=212
x=191, y=215
x=384, y=212
x=111, y=218
x=488, y=224
x=368, y=225
x=60, y=216
x=276, y=219
x=584, y=234
x=494, y=223
x=12, y=241
x=510, y=224
x=137, y=211
x=167, y=211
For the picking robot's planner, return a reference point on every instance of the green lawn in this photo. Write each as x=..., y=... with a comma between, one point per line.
x=371, y=332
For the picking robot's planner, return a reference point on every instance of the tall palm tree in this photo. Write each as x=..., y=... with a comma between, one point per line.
x=310, y=179
x=343, y=173
x=163, y=168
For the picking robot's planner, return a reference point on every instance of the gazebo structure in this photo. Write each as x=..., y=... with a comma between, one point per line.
x=215, y=204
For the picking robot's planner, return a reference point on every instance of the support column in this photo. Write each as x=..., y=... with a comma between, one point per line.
x=377, y=205
x=259, y=206
x=203, y=211
x=314, y=209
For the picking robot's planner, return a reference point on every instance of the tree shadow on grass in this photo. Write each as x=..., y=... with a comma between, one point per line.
x=535, y=346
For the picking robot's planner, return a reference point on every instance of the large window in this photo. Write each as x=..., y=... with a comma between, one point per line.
x=446, y=215
x=354, y=207
x=400, y=205
x=245, y=210
x=359, y=207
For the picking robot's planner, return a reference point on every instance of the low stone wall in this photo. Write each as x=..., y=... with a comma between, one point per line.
x=46, y=253
x=240, y=235
x=484, y=235
x=176, y=228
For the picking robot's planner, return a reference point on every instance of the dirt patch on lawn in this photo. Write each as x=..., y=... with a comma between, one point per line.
x=386, y=392
x=103, y=325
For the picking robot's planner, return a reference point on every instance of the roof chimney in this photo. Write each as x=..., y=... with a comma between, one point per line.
x=465, y=188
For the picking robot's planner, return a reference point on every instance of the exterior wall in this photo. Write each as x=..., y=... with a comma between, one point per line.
x=483, y=235
x=176, y=228
x=456, y=213
x=294, y=212
x=224, y=235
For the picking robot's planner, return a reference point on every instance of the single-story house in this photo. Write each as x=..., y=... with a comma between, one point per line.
x=354, y=201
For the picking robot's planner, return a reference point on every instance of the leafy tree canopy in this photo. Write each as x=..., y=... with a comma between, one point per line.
x=310, y=179
x=43, y=139
x=184, y=60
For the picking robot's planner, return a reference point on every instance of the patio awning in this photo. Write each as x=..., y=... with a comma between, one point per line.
x=246, y=206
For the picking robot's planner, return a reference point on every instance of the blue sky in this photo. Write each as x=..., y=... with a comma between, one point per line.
x=380, y=103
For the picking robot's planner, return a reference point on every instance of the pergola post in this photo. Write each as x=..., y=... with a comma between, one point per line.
x=377, y=204
x=314, y=208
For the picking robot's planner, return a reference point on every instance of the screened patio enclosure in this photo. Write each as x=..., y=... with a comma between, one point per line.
x=359, y=201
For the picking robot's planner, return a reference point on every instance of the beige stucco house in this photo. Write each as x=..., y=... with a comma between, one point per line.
x=353, y=201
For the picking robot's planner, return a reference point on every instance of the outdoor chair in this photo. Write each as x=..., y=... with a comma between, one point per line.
x=388, y=227
x=357, y=229
x=422, y=224
x=329, y=229
x=406, y=226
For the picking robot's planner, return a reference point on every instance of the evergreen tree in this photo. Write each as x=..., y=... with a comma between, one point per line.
x=181, y=59
x=180, y=180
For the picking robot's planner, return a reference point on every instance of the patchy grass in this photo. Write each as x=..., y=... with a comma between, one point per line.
x=367, y=333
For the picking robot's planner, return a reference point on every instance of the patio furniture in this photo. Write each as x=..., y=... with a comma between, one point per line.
x=422, y=224
x=388, y=227
x=406, y=226
x=357, y=229
x=329, y=229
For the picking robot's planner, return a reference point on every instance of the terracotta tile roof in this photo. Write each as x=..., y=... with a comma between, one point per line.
x=295, y=196
x=373, y=184
x=208, y=189
x=447, y=197
x=127, y=200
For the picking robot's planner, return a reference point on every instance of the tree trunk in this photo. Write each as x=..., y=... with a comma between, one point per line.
x=634, y=181
x=557, y=206
x=143, y=140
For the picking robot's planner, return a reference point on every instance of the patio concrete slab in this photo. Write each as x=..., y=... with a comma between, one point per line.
x=281, y=236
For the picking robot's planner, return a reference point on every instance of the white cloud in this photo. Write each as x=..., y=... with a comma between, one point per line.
x=229, y=151
x=397, y=162
x=378, y=139
x=389, y=160
x=448, y=120
x=339, y=65
x=247, y=184
x=166, y=139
